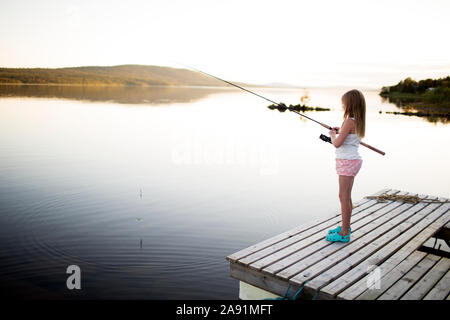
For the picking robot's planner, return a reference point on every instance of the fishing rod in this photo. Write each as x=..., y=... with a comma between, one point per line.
x=282, y=107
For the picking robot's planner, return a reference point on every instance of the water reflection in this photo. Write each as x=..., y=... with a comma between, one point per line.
x=148, y=201
x=411, y=106
x=126, y=95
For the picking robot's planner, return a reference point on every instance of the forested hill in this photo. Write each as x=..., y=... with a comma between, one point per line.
x=124, y=75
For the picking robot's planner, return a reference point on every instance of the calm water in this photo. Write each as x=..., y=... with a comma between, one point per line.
x=148, y=190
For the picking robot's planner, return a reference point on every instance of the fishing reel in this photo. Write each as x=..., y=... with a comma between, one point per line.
x=325, y=138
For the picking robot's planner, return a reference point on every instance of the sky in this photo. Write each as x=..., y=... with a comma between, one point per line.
x=359, y=44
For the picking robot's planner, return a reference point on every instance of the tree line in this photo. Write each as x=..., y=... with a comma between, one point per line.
x=430, y=90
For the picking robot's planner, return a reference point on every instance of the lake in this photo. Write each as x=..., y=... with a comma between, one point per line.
x=147, y=190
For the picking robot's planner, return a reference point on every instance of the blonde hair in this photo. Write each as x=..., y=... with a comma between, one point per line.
x=355, y=107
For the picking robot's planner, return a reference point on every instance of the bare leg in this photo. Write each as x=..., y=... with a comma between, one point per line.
x=345, y=190
x=351, y=187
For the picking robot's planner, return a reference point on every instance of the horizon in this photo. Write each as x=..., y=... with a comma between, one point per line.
x=283, y=85
x=315, y=44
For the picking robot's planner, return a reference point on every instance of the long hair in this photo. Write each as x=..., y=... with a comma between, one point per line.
x=355, y=107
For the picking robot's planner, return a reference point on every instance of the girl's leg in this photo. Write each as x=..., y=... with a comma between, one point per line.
x=351, y=187
x=345, y=190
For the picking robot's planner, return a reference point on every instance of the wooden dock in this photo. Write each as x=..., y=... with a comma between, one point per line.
x=385, y=258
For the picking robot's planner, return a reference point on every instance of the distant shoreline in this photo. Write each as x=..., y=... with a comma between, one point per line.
x=119, y=76
x=134, y=75
x=122, y=75
x=113, y=85
x=226, y=87
x=187, y=86
x=431, y=93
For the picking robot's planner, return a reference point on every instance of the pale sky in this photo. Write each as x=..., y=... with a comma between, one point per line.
x=306, y=43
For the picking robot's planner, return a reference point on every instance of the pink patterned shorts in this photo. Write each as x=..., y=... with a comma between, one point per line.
x=347, y=167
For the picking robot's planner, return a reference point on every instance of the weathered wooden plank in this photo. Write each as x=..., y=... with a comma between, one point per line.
x=285, y=235
x=427, y=282
x=359, y=270
x=386, y=280
x=441, y=290
x=368, y=246
x=268, y=283
x=320, y=261
x=371, y=253
x=409, y=279
x=359, y=289
x=311, y=242
x=402, y=234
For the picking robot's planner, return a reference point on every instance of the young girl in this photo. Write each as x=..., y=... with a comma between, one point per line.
x=348, y=160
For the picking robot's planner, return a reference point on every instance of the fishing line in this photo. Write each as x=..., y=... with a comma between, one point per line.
x=281, y=106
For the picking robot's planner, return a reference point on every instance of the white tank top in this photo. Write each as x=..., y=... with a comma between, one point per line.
x=349, y=149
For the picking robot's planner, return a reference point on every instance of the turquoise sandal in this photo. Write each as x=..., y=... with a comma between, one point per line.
x=338, y=229
x=336, y=237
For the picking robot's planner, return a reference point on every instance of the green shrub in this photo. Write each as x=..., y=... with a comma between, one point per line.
x=438, y=95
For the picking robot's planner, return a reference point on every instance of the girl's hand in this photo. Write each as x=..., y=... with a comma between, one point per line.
x=332, y=133
x=336, y=129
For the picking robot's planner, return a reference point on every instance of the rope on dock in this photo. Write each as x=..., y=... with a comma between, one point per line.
x=403, y=198
x=315, y=296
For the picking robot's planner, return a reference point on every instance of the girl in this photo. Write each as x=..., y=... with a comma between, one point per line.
x=348, y=161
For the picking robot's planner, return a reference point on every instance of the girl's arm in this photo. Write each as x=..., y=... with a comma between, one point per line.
x=343, y=132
